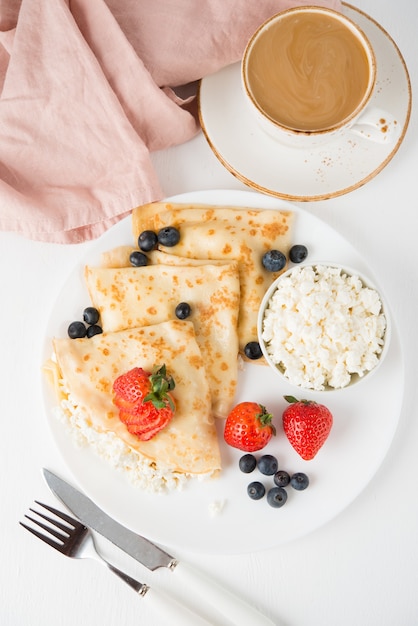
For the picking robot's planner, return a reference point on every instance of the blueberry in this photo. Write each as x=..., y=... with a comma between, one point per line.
x=256, y=490
x=274, y=261
x=94, y=329
x=281, y=478
x=168, y=236
x=267, y=464
x=76, y=330
x=183, y=310
x=253, y=351
x=138, y=259
x=247, y=463
x=91, y=315
x=298, y=253
x=147, y=240
x=299, y=481
x=276, y=497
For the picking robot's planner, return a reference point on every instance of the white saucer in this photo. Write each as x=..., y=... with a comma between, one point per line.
x=297, y=174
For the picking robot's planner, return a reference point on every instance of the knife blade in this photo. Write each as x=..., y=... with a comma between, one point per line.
x=153, y=557
x=91, y=515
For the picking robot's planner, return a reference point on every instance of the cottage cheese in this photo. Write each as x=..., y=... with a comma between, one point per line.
x=322, y=326
x=139, y=470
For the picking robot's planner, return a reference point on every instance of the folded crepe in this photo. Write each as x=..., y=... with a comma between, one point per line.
x=225, y=233
x=120, y=257
x=130, y=297
x=187, y=446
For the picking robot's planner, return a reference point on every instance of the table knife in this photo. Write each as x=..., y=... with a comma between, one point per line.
x=152, y=556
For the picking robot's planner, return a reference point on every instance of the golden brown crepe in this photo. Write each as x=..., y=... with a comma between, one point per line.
x=225, y=233
x=138, y=296
x=267, y=223
x=119, y=257
x=88, y=367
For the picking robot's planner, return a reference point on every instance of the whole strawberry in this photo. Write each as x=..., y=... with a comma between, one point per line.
x=144, y=400
x=307, y=425
x=248, y=427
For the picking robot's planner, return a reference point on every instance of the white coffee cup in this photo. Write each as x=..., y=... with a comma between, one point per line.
x=309, y=74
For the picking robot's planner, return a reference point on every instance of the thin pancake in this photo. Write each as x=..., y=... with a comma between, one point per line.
x=225, y=233
x=267, y=223
x=132, y=297
x=88, y=367
x=120, y=257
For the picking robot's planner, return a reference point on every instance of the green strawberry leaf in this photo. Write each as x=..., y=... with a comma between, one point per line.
x=265, y=419
x=291, y=399
x=161, y=384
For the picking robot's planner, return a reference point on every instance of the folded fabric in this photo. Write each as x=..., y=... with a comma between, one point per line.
x=87, y=92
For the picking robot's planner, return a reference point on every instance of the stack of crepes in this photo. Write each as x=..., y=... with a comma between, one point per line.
x=88, y=90
x=216, y=268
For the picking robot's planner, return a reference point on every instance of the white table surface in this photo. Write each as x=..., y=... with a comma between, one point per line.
x=362, y=567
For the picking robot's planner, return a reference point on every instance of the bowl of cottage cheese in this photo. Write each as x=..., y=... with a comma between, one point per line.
x=323, y=327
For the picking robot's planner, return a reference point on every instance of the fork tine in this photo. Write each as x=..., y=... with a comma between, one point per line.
x=51, y=530
x=68, y=536
x=64, y=527
x=55, y=525
x=45, y=538
x=73, y=522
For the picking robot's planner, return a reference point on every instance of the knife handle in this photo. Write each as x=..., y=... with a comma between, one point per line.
x=228, y=604
x=171, y=611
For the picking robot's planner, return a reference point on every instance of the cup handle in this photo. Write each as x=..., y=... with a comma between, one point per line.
x=376, y=125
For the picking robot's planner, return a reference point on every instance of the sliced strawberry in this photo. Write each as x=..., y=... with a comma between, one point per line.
x=145, y=429
x=144, y=401
x=131, y=387
x=146, y=432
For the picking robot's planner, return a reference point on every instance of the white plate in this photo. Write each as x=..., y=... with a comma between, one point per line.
x=296, y=174
x=366, y=417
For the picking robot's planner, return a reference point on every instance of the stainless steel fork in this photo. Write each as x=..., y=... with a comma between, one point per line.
x=70, y=537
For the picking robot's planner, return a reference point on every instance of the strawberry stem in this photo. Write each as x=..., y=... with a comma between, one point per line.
x=265, y=418
x=291, y=399
x=161, y=384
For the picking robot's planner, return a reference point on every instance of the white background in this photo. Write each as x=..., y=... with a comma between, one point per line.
x=362, y=567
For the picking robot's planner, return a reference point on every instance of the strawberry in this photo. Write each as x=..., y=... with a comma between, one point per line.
x=307, y=425
x=144, y=401
x=130, y=388
x=248, y=427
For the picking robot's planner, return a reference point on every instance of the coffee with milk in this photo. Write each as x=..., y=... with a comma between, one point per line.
x=308, y=71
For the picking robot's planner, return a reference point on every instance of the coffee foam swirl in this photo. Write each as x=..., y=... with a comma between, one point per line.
x=315, y=70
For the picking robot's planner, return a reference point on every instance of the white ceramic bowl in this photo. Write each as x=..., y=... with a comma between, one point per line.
x=311, y=335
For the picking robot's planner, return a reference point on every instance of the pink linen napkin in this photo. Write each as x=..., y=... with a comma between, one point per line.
x=86, y=93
